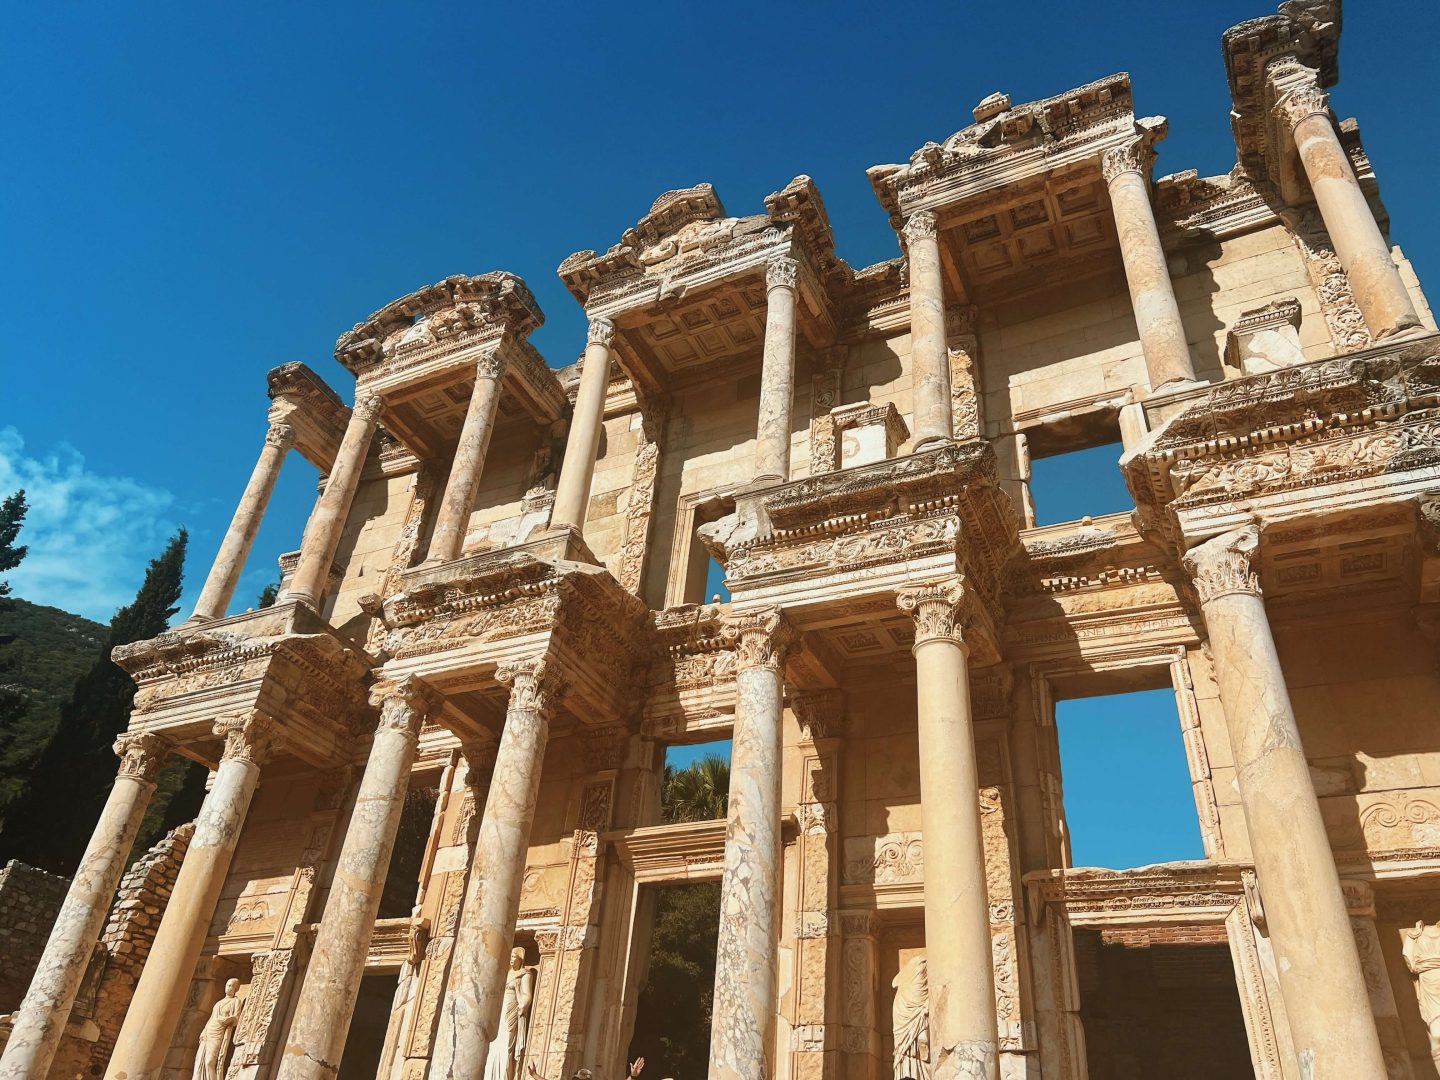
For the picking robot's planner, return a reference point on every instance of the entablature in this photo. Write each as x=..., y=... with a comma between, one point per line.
x=301, y=399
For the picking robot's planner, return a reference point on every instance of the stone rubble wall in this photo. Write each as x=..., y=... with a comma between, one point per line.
x=30, y=900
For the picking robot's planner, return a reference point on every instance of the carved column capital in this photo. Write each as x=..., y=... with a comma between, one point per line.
x=368, y=407
x=479, y=762
x=490, y=366
x=536, y=684
x=919, y=226
x=604, y=746
x=763, y=638
x=1303, y=101
x=142, y=754
x=404, y=705
x=936, y=609
x=1225, y=564
x=821, y=714
x=601, y=331
x=253, y=737
x=281, y=436
x=780, y=272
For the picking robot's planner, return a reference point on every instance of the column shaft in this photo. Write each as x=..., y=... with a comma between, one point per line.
x=572, y=493
x=40, y=1021
x=322, y=533
x=1321, y=980
x=1152, y=294
x=230, y=561
x=317, y=1035
x=458, y=502
x=964, y=1038
x=470, y=1013
x=777, y=372
x=929, y=358
x=743, y=1015
x=1359, y=244
x=154, y=1012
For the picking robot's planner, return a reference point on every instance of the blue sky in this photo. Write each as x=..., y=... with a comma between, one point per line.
x=193, y=194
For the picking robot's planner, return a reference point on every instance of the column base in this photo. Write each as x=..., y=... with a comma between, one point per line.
x=1176, y=386
x=564, y=542
x=931, y=442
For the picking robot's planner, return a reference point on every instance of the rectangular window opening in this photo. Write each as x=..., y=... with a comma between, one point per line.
x=704, y=576
x=402, y=877
x=695, y=785
x=1075, y=469
x=1128, y=742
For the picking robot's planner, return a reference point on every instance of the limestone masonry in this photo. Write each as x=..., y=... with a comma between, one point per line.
x=500, y=599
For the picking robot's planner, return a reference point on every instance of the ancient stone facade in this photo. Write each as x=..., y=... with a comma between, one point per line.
x=499, y=599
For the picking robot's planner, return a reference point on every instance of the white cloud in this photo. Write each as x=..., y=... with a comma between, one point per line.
x=90, y=535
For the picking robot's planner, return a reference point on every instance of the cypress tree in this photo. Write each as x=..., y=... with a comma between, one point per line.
x=52, y=822
x=12, y=515
x=14, y=700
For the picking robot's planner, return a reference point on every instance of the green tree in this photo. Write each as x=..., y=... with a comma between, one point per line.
x=12, y=516
x=52, y=822
x=698, y=792
x=268, y=595
x=672, y=1022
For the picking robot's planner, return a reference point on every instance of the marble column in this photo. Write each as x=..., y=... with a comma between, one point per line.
x=777, y=371
x=964, y=1037
x=324, y=1010
x=1359, y=244
x=327, y=520
x=1321, y=980
x=149, y=1027
x=572, y=492
x=743, y=1016
x=39, y=1023
x=929, y=356
x=1126, y=169
x=470, y=1013
x=458, y=502
x=225, y=571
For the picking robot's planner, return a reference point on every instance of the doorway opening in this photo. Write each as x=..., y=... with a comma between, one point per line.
x=366, y=1041
x=672, y=1016
x=1161, y=1001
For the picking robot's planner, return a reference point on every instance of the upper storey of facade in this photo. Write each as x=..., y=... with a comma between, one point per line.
x=826, y=433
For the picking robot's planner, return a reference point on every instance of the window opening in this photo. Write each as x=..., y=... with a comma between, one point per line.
x=695, y=785
x=402, y=878
x=1079, y=483
x=672, y=1017
x=1129, y=742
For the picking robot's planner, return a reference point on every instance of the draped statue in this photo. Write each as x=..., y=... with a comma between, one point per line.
x=1422, y=956
x=911, y=1021
x=508, y=1048
x=217, y=1034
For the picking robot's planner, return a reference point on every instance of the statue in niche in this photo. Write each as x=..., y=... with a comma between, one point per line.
x=217, y=1034
x=1422, y=956
x=910, y=1018
x=508, y=1049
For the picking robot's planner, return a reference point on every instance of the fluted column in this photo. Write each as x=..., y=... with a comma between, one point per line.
x=929, y=357
x=327, y=520
x=235, y=548
x=458, y=502
x=572, y=492
x=1152, y=295
x=743, y=1016
x=777, y=371
x=316, y=1041
x=1359, y=244
x=470, y=1013
x=1321, y=980
x=964, y=1038
x=40, y=1021
x=159, y=998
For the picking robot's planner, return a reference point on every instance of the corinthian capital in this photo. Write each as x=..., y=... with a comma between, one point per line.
x=1137, y=153
x=250, y=736
x=536, y=685
x=601, y=332
x=780, y=272
x=404, y=705
x=141, y=755
x=1225, y=564
x=281, y=436
x=919, y=226
x=762, y=638
x=490, y=366
x=368, y=407
x=935, y=607
x=821, y=714
x=1306, y=99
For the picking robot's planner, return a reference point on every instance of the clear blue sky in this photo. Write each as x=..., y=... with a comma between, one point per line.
x=195, y=193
